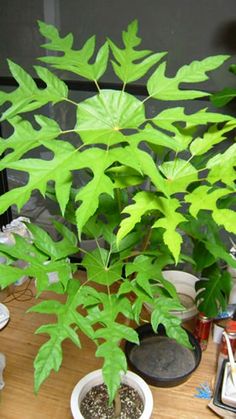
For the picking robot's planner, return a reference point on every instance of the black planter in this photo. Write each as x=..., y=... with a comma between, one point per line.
x=161, y=361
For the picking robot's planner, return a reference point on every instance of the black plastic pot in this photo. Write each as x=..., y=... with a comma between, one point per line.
x=160, y=360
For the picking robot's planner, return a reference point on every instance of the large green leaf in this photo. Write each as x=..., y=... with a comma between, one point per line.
x=207, y=240
x=47, y=307
x=203, y=198
x=219, y=251
x=28, y=96
x=101, y=118
x=67, y=158
x=161, y=314
x=38, y=270
x=22, y=248
x=69, y=238
x=223, y=97
x=9, y=275
x=59, y=169
x=114, y=363
x=183, y=136
x=89, y=194
x=213, y=136
x=170, y=220
x=127, y=68
x=98, y=270
x=202, y=256
x=76, y=61
x=128, y=286
x=167, y=118
x=104, y=308
x=38, y=265
x=49, y=356
x=127, y=243
x=149, y=168
x=165, y=88
x=222, y=167
x=25, y=137
x=213, y=291
x=172, y=120
x=123, y=176
x=146, y=202
x=147, y=270
x=109, y=333
x=179, y=174
x=98, y=161
x=155, y=137
x=56, y=250
x=40, y=172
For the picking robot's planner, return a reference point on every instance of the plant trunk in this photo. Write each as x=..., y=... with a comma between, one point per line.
x=117, y=405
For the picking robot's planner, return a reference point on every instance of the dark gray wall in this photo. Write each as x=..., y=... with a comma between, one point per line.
x=188, y=29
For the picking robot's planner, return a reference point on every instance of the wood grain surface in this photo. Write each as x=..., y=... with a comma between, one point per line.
x=20, y=346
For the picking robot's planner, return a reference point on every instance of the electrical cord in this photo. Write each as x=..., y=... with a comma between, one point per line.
x=22, y=295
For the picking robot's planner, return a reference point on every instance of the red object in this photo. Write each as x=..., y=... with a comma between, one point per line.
x=230, y=329
x=202, y=330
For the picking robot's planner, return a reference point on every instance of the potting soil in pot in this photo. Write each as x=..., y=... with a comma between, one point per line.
x=95, y=403
x=162, y=357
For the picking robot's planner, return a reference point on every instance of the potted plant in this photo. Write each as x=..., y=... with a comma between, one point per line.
x=148, y=179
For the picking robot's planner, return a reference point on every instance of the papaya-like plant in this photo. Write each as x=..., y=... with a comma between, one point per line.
x=226, y=95
x=148, y=183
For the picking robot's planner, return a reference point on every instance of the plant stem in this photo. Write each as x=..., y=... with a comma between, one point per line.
x=118, y=199
x=70, y=101
x=97, y=86
x=117, y=405
x=146, y=240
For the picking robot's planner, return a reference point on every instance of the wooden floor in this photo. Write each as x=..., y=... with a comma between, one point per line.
x=20, y=346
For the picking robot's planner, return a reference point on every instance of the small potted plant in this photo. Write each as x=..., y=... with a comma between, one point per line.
x=147, y=180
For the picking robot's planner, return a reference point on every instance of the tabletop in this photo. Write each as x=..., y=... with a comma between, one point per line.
x=20, y=346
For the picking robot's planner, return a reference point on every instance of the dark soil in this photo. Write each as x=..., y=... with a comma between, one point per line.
x=163, y=357
x=95, y=403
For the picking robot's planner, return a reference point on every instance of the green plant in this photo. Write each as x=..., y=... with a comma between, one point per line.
x=227, y=94
x=210, y=256
x=148, y=182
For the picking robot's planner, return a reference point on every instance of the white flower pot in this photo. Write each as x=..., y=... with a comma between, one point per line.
x=95, y=378
x=184, y=283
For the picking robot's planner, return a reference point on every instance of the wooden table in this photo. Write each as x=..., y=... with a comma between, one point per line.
x=18, y=401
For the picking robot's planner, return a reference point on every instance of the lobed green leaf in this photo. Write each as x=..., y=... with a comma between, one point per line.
x=223, y=97
x=128, y=65
x=28, y=96
x=165, y=88
x=76, y=61
x=204, y=198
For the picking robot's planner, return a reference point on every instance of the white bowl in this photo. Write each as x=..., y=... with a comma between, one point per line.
x=4, y=315
x=95, y=378
x=184, y=283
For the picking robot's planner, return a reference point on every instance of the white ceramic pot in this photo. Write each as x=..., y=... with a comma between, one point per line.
x=184, y=283
x=95, y=378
